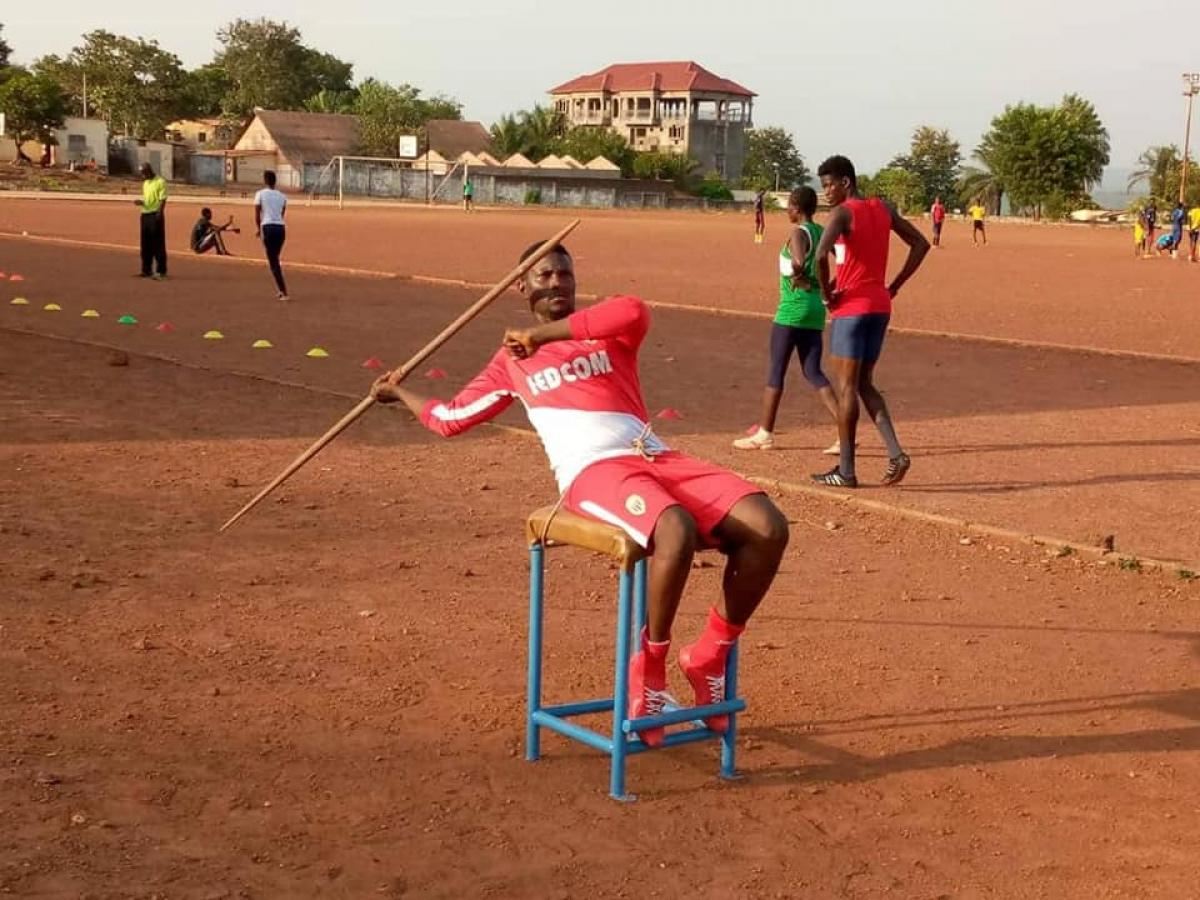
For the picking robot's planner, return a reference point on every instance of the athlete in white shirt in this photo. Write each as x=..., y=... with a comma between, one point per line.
x=576, y=373
x=270, y=206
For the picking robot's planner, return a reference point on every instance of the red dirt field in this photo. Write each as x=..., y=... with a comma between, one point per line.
x=1059, y=284
x=328, y=701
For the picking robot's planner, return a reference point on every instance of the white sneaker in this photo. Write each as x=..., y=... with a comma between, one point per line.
x=760, y=440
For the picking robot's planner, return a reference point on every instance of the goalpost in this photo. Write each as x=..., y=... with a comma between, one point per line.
x=332, y=179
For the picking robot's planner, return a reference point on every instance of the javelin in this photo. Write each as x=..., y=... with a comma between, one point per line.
x=398, y=375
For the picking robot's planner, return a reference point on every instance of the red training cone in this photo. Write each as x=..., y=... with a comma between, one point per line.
x=435, y=373
x=373, y=363
x=165, y=328
x=16, y=277
x=669, y=413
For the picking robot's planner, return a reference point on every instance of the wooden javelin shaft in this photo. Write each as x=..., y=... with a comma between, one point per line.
x=398, y=375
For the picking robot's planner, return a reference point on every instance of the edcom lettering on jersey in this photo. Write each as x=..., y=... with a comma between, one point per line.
x=580, y=368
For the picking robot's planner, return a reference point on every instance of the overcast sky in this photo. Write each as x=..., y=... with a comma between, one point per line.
x=851, y=78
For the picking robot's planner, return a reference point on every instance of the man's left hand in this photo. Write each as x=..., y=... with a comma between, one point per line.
x=521, y=343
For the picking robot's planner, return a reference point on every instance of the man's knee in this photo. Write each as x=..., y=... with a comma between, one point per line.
x=675, y=532
x=758, y=522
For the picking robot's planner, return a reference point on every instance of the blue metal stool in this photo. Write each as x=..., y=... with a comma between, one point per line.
x=568, y=529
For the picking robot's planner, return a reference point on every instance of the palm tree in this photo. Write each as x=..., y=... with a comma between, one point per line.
x=1156, y=166
x=982, y=183
x=508, y=136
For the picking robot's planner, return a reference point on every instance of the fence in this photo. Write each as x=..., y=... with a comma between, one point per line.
x=492, y=185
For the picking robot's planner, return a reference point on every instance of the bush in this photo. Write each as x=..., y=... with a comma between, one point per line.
x=533, y=196
x=713, y=188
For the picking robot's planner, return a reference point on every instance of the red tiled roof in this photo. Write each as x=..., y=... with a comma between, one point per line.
x=659, y=76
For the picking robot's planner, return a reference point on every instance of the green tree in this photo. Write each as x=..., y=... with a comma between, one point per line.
x=899, y=186
x=1159, y=170
x=585, y=143
x=205, y=89
x=1044, y=154
x=934, y=157
x=386, y=112
x=770, y=151
x=535, y=133
x=133, y=84
x=673, y=167
x=34, y=106
x=332, y=102
x=5, y=50
x=269, y=66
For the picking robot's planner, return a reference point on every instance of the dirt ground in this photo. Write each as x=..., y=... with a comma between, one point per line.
x=328, y=701
x=1057, y=284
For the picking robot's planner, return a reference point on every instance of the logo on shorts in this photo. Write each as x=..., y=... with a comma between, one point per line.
x=635, y=504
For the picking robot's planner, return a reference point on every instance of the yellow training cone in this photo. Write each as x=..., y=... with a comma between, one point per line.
x=262, y=344
x=20, y=301
x=213, y=335
x=317, y=353
x=52, y=307
x=89, y=314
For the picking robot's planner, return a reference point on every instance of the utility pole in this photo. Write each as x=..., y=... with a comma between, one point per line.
x=1191, y=87
x=85, y=95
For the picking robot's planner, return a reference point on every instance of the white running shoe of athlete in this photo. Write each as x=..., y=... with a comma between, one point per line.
x=759, y=439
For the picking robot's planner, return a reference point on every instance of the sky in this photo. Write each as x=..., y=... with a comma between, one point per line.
x=854, y=80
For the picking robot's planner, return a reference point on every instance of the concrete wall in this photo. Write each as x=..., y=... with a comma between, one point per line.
x=78, y=141
x=209, y=170
x=707, y=139
x=493, y=186
x=132, y=153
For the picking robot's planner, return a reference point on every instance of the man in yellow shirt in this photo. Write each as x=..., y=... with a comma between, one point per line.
x=977, y=215
x=1193, y=222
x=154, y=230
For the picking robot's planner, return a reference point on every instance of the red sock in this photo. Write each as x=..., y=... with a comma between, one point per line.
x=656, y=651
x=714, y=643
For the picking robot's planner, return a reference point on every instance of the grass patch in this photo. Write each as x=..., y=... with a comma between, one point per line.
x=1131, y=564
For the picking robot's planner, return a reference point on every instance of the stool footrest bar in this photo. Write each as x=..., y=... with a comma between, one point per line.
x=573, y=731
x=686, y=714
x=582, y=708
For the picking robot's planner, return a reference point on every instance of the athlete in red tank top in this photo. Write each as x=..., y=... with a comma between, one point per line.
x=861, y=276
x=860, y=307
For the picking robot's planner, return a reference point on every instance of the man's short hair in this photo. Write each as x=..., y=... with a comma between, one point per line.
x=838, y=167
x=206, y=212
x=269, y=178
x=805, y=199
x=532, y=249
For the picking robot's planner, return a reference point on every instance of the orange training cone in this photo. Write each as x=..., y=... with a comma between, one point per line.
x=373, y=363
x=669, y=413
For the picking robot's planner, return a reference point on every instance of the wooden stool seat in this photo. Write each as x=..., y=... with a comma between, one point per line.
x=577, y=531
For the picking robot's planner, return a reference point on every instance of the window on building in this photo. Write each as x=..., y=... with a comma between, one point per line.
x=202, y=137
x=675, y=132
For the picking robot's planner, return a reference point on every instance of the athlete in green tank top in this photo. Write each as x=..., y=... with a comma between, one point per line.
x=800, y=306
x=799, y=322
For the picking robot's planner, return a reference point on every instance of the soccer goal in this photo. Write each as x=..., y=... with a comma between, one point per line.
x=381, y=177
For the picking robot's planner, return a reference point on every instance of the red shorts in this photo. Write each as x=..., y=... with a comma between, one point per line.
x=632, y=492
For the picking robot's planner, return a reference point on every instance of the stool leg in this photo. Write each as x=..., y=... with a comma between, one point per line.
x=729, y=738
x=533, y=748
x=639, y=598
x=616, y=787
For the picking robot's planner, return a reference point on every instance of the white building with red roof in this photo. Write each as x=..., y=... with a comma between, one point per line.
x=672, y=107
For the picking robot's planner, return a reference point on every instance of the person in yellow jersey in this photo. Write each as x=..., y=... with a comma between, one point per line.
x=1139, y=238
x=1193, y=224
x=978, y=213
x=154, y=227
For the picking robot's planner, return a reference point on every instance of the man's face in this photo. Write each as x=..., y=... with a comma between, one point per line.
x=836, y=189
x=550, y=287
x=793, y=211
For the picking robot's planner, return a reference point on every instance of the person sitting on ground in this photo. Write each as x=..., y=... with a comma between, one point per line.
x=576, y=373
x=207, y=236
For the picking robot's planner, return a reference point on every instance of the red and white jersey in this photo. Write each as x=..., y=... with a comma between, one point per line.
x=582, y=396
